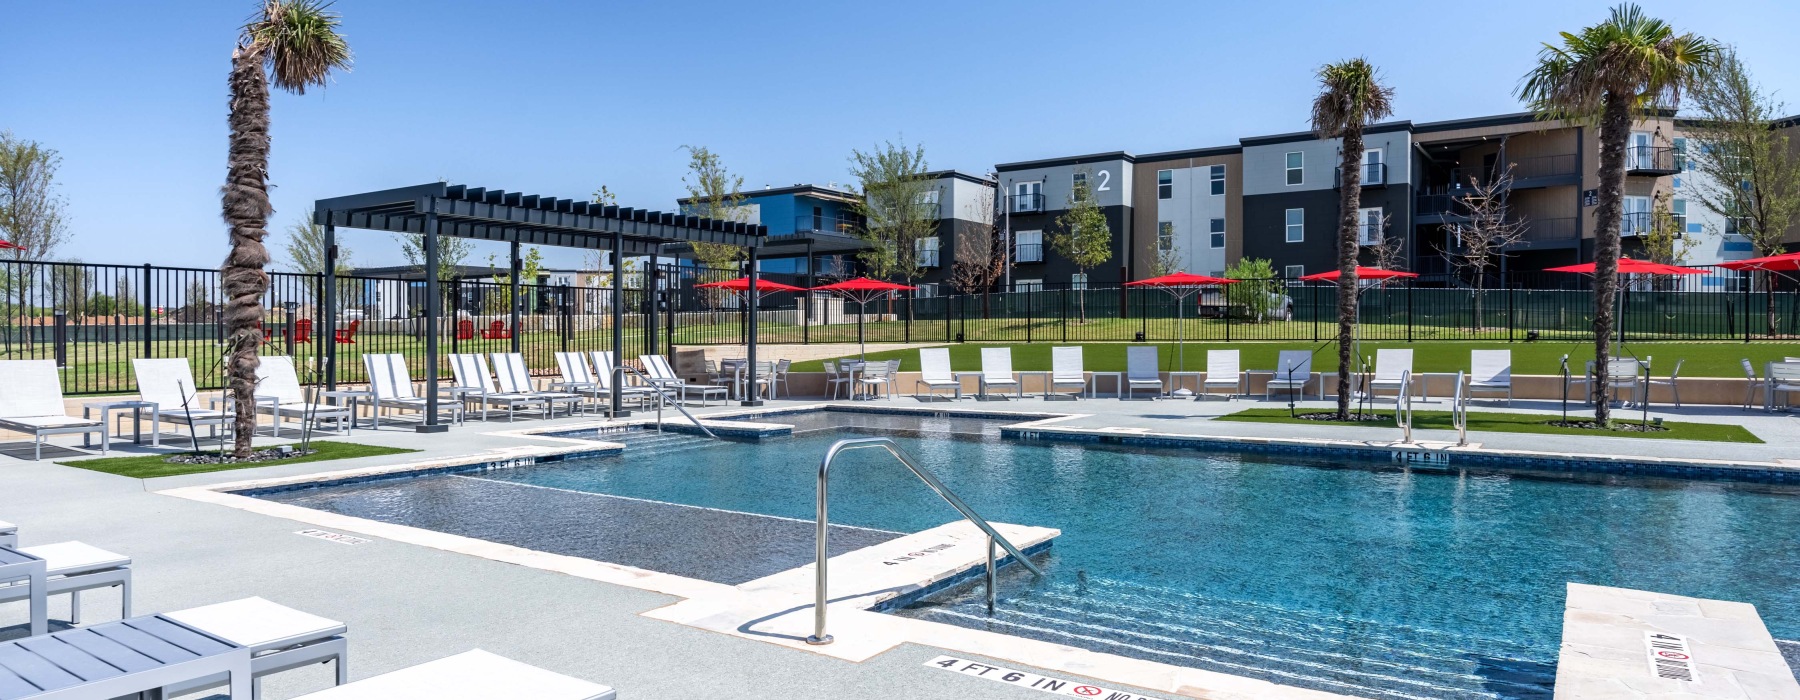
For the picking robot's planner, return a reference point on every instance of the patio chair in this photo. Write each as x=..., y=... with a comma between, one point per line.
x=935, y=373
x=1750, y=383
x=169, y=383
x=1223, y=369
x=280, y=638
x=9, y=534
x=1293, y=371
x=1067, y=370
x=475, y=387
x=31, y=402
x=996, y=371
x=1141, y=371
x=73, y=567
x=1391, y=368
x=778, y=380
x=471, y=675
x=835, y=379
x=874, y=377
x=657, y=368
x=1674, y=388
x=1783, y=381
x=347, y=334
x=496, y=331
x=1491, y=371
x=303, y=330
x=279, y=394
x=390, y=386
x=465, y=330
x=603, y=376
x=515, y=378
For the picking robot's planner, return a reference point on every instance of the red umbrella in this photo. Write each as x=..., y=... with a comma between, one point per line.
x=1632, y=266
x=863, y=290
x=742, y=284
x=1181, y=285
x=9, y=245
x=1362, y=273
x=1789, y=262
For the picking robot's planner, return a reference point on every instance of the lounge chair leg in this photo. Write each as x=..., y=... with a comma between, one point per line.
x=343, y=669
x=125, y=597
x=75, y=607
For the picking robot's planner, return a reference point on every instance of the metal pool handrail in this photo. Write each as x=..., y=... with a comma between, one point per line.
x=1459, y=412
x=1403, y=408
x=819, y=599
x=661, y=394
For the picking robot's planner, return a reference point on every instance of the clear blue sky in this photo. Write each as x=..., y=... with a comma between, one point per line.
x=559, y=98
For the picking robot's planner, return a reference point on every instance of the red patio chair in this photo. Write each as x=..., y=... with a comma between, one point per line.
x=496, y=331
x=303, y=330
x=465, y=330
x=347, y=336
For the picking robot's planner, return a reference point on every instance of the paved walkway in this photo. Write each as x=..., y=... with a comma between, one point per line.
x=406, y=604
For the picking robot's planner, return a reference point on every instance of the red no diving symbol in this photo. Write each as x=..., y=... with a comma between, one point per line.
x=1087, y=690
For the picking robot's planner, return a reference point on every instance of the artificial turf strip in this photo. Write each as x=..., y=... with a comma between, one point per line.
x=152, y=466
x=1511, y=423
x=1721, y=359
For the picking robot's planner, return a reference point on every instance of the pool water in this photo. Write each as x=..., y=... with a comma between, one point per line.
x=1352, y=577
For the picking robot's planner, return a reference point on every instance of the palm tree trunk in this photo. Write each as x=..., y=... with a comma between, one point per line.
x=246, y=210
x=1349, y=201
x=1615, y=132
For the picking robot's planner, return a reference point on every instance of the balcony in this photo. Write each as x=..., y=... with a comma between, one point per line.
x=1373, y=175
x=1448, y=205
x=1650, y=161
x=1025, y=203
x=827, y=225
x=1028, y=253
x=1550, y=233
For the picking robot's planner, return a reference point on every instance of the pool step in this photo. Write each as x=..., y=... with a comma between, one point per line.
x=662, y=443
x=1331, y=653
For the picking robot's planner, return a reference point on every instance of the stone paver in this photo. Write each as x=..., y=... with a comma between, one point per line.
x=1606, y=648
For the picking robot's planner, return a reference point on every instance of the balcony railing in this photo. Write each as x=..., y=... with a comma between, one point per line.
x=1557, y=230
x=826, y=224
x=1653, y=161
x=1452, y=204
x=1028, y=252
x=1025, y=203
x=1524, y=170
x=1637, y=223
x=1373, y=175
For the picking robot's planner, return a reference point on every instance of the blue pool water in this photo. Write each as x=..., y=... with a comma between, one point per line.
x=1351, y=577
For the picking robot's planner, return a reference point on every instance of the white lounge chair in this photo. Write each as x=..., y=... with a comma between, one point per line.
x=603, y=376
x=169, y=383
x=1142, y=371
x=515, y=378
x=475, y=387
x=1293, y=371
x=73, y=567
x=996, y=371
x=280, y=638
x=471, y=675
x=1491, y=371
x=31, y=402
x=1224, y=369
x=279, y=394
x=1391, y=367
x=935, y=373
x=390, y=386
x=657, y=369
x=1067, y=370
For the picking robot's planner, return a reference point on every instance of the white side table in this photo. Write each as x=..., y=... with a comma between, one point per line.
x=1094, y=382
x=352, y=397
x=136, y=407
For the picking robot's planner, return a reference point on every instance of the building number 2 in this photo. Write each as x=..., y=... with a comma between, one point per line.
x=1105, y=177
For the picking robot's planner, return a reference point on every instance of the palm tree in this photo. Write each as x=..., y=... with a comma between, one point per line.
x=1350, y=95
x=294, y=43
x=1606, y=73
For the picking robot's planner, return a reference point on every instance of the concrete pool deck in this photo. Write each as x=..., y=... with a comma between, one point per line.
x=407, y=603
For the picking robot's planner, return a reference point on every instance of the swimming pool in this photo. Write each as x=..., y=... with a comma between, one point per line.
x=1346, y=576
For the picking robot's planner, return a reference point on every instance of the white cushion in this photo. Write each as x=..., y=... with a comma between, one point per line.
x=69, y=558
x=49, y=421
x=275, y=377
x=258, y=623
x=168, y=383
x=32, y=388
x=471, y=675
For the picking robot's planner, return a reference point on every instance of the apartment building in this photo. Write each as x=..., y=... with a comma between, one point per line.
x=966, y=206
x=1191, y=208
x=812, y=228
x=1037, y=193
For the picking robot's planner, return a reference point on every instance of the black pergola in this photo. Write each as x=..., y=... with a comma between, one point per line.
x=442, y=209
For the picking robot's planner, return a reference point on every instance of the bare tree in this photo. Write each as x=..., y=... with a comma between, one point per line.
x=981, y=255
x=1482, y=241
x=1388, y=252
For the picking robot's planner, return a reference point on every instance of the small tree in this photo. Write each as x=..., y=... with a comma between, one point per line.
x=452, y=251
x=1257, y=292
x=306, y=248
x=713, y=193
x=981, y=256
x=31, y=212
x=1166, y=257
x=1388, y=252
x=1751, y=171
x=1666, y=242
x=897, y=206
x=1482, y=241
x=1082, y=235
x=531, y=264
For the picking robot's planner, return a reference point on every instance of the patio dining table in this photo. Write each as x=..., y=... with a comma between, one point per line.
x=114, y=659
x=1779, y=374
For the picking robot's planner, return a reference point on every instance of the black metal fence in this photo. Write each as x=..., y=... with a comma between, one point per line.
x=94, y=319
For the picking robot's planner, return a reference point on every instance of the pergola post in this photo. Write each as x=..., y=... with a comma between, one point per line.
x=751, y=297
x=652, y=299
x=432, y=311
x=329, y=302
x=618, y=323
x=807, y=297
x=517, y=269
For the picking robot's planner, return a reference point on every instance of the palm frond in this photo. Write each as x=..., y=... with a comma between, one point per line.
x=1350, y=95
x=298, y=41
x=1630, y=54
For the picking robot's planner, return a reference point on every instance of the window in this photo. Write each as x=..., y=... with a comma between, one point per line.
x=1296, y=162
x=1296, y=225
x=1372, y=171
x=929, y=196
x=1028, y=247
x=1368, y=226
x=1078, y=180
x=1215, y=233
x=1293, y=272
x=1165, y=236
x=1078, y=280
x=1165, y=184
x=926, y=290
x=926, y=250
x=1637, y=217
x=1639, y=155
x=1216, y=179
x=1028, y=197
x=1681, y=160
x=1678, y=212
x=1028, y=285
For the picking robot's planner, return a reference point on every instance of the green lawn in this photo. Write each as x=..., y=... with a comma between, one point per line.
x=1511, y=423
x=152, y=466
x=1711, y=359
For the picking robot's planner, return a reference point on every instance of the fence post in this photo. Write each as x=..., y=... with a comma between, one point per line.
x=1748, y=278
x=1315, y=314
x=949, y=301
x=565, y=317
x=61, y=339
x=1511, y=320
x=149, y=310
x=1030, y=310
x=1409, y=314
x=906, y=326
x=1065, y=315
